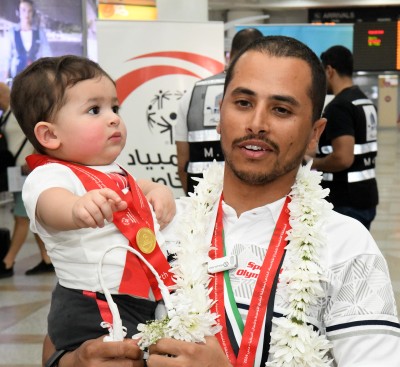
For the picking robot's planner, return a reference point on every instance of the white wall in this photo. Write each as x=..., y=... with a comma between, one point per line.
x=183, y=10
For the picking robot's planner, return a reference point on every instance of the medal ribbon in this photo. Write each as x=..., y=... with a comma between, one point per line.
x=261, y=294
x=136, y=278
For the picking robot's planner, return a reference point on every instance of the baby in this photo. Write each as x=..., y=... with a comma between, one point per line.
x=83, y=204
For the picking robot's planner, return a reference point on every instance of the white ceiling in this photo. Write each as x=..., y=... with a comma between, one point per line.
x=284, y=4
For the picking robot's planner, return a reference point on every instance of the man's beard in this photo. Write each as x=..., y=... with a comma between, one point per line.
x=262, y=178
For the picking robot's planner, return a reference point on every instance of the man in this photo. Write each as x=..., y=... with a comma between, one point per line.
x=348, y=146
x=270, y=116
x=197, y=141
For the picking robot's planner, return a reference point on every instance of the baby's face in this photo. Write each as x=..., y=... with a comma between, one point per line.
x=89, y=127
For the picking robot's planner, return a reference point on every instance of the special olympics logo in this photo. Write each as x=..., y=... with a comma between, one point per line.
x=161, y=112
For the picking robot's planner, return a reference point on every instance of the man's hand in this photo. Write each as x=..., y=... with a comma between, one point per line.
x=186, y=354
x=97, y=353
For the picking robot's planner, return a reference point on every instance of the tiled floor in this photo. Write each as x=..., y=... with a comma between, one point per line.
x=24, y=301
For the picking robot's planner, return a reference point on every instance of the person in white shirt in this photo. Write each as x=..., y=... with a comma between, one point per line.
x=309, y=286
x=27, y=40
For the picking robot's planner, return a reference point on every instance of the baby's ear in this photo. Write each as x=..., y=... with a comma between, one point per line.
x=46, y=136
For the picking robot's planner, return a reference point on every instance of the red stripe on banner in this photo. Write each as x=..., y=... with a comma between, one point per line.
x=127, y=83
x=212, y=65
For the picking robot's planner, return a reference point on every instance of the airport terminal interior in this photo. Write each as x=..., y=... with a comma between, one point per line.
x=25, y=300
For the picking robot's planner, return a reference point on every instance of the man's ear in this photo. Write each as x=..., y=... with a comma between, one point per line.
x=329, y=70
x=45, y=134
x=317, y=129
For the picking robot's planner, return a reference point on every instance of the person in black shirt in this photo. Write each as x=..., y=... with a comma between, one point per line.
x=348, y=147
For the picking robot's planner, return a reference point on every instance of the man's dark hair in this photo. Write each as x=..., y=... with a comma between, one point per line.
x=242, y=38
x=282, y=46
x=339, y=58
x=27, y=1
x=38, y=92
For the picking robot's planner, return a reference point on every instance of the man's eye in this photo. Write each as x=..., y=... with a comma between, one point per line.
x=282, y=110
x=94, y=110
x=243, y=103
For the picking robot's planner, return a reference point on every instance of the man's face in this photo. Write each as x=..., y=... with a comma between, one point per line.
x=25, y=12
x=266, y=118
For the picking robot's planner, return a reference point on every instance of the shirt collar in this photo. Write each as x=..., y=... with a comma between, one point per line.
x=272, y=209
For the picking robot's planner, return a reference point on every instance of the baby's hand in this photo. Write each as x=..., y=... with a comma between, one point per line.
x=96, y=206
x=163, y=203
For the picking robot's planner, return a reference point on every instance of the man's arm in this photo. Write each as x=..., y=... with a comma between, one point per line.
x=341, y=158
x=362, y=323
x=182, y=149
x=97, y=353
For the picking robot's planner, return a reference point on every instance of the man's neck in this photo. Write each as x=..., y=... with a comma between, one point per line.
x=341, y=84
x=243, y=197
x=26, y=26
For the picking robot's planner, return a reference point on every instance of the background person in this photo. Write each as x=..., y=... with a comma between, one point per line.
x=27, y=40
x=16, y=140
x=270, y=116
x=348, y=147
x=197, y=142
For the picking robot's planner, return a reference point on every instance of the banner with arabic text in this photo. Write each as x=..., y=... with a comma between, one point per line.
x=154, y=64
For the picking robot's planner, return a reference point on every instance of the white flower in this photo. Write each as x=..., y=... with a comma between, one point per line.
x=295, y=345
x=189, y=317
x=293, y=342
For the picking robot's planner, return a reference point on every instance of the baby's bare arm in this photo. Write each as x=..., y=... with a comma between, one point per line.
x=61, y=210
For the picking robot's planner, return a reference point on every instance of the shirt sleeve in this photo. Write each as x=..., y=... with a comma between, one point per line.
x=361, y=318
x=43, y=178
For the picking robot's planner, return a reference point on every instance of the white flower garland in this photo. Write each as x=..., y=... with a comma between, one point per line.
x=188, y=308
x=293, y=342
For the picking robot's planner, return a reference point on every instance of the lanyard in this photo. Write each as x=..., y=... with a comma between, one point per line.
x=261, y=295
x=135, y=223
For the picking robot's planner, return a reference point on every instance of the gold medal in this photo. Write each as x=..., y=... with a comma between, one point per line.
x=146, y=240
